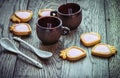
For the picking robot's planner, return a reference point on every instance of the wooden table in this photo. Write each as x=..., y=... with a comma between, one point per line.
x=102, y=16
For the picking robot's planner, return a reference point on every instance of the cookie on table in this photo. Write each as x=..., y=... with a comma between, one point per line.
x=90, y=39
x=21, y=29
x=44, y=12
x=22, y=16
x=73, y=53
x=103, y=50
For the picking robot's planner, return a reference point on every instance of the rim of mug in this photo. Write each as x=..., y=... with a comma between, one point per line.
x=72, y=13
x=47, y=27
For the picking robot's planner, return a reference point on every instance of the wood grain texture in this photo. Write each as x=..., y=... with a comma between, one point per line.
x=102, y=16
x=93, y=20
x=21, y=64
x=48, y=65
x=113, y=37
x=7, y=60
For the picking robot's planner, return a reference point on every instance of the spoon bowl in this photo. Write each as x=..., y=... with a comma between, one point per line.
x=8, y=45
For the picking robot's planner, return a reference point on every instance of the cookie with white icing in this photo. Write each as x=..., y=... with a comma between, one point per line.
x=90, y=39
x=22, y=16
x=21, y=29
x=73, y=53
x=44, y=12
x=103, y=50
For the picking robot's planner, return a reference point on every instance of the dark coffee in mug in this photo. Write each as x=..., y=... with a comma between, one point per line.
x=49, y=22
x=69, y=8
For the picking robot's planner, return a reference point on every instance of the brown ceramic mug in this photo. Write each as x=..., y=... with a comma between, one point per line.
x=70, y=14
x=49, y=29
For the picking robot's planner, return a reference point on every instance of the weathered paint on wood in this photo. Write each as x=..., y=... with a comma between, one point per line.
x=113, y=37
x=102, y=16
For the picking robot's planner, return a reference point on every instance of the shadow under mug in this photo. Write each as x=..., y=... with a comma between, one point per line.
x=70, y=14
x=49, y=29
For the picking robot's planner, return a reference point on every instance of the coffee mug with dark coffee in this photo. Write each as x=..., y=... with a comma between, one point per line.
x=49, y=29
x=70, y=14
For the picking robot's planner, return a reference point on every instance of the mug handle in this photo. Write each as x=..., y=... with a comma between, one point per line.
x=65, y=30
x=53, y=13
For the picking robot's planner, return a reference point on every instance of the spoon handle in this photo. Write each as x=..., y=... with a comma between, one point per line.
x=18, y=39
x=36, y=63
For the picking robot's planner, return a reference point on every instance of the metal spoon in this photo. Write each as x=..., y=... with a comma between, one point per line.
x=9, y=45
x=40, y=53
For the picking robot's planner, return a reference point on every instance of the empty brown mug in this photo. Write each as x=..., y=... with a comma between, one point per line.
x=49, y=29
x=70, y=14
